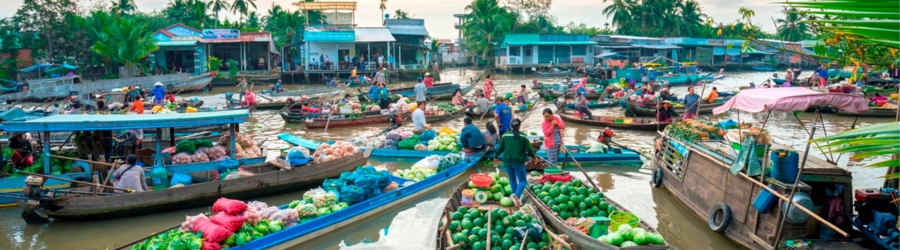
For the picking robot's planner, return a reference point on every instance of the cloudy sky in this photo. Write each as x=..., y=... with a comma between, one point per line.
x=439, y=18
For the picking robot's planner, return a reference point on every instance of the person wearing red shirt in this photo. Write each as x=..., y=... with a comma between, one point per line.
x=429, y=81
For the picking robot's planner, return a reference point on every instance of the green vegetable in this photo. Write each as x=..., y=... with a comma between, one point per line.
x=185, y=146
x=262, y=227
x=294, y=204
x=203, y=143
x=506, y=202
x=276, y=226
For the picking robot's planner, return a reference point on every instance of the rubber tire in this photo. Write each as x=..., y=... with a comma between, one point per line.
x=726, y=217
x=657, y=178
x=170, y=87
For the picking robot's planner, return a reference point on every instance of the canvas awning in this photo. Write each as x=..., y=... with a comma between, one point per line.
x=757, y=52
x=611, y=55
x=373, y=34
x=176, y=43
x=791, y=99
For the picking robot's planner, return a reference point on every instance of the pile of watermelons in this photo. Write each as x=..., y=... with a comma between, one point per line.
x=500, y=190
x=625, y=236
x=572, y=199
x=468, y=229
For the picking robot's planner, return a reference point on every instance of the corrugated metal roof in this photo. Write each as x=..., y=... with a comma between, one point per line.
x=658, y=46
x=373, y=34
x=412, y=27
x=550, y=39
x=176, y=43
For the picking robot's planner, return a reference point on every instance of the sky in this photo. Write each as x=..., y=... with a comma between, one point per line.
x=439, y=18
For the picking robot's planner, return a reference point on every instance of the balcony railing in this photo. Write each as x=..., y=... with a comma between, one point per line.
x=330, y=27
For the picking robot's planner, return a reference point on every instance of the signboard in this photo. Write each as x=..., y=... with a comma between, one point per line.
x=320, y=36
x=213, y=34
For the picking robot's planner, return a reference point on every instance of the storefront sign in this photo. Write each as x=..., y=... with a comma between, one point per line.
x=214, y=34
x=318, y=36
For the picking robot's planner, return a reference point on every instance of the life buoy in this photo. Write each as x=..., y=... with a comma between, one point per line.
x=657, y=178
x=716, y=224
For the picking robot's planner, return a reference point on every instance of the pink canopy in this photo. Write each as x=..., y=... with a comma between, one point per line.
x=791, y=99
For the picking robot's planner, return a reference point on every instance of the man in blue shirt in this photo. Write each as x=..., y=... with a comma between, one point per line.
x=823, y=76
x=651, y=74
x=502, y=115
x=278, y=86
x=374, y=93
x=691, y=104
x=471, y=138
x=421, y=90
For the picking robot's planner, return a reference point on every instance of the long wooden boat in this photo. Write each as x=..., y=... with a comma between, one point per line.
x=682, y=79
x=446, y=116
x=300, y=92
x=491, y=113
x=310, y=144
x=872, y=112
x=342, y=122
x=572, y=94
x=638, y=124
x=762, y=68
x=435, y=93
x=294, y=236
x=41, y=89
x=582, y=240
x=644, y=111
x=560, y=73
x=268, y=180
x=594, y=105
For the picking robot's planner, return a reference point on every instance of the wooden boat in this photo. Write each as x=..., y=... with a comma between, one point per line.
x=681, y=79
x=595, y=105
x=438, y=92
x=336, y=121
x=268, y=180
x=294, y=236
x=571, y=94
x=310, y=144
x=543, y=86
x=40, y=90
x=706, y=108
x=698, y=175
x=491, y=112
x=301, y=92
x=762, y=68
x=872, y=112
x=560, y=73
x=638, y=124
x=446, y=116
x=579, y=238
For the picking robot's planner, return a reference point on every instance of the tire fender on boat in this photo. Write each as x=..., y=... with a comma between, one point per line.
x=657, y=177
x=719, y=226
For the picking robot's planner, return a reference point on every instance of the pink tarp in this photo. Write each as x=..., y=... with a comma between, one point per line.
x=790, y=99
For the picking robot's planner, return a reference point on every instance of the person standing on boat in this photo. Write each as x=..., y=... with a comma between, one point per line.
x=552, y=127
x=582, y=85
x=823, y=76
x=159, y=93
x=23, y=150
x=515, y=149
x=418, y=117
x=471, y=138
x=502, y=115
x=489, y=86
x=385, y=94
x=713, y=95
x=789, y=76
x=379, y=76
x=651, y=74
x=691, y=103
x=130, y=176
x=244, y=87
x=421, y=90
x=665, y=113
x=375, y=92
x=429, y=81
x=581, y=104
x=535, y=84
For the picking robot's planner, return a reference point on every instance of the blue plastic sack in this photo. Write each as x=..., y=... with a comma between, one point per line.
x=228, y=164
x=351, y=194
x=373, y=194
x=426, y=136
x=384, y=179
x=179, y=178
x=333, y=185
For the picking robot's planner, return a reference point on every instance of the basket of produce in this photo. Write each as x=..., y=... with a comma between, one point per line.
x=623, y=218
x=481, y=180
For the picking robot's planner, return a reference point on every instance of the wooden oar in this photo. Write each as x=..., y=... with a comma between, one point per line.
x=613, y=143
x=74, y=181
x=126, y=245
x=580, y=168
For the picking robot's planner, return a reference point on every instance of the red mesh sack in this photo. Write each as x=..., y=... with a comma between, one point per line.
x=211, y=231
x=211, y=246
x=230, y=222
x=196, y=223
x=555, y=178
x=229, y=206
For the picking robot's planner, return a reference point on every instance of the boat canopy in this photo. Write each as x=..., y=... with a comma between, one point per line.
x=55, y=123
x=791, y=99
x=610, y=55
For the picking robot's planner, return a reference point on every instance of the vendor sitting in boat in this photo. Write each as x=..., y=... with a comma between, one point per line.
x=713, y=95
x=535, y=84
x=471, y=138
x=665, y=113
x=346, y=99
x=23, y=150
x=249, y=99
x=878, y=98
x=130, y=176
x=418, y=117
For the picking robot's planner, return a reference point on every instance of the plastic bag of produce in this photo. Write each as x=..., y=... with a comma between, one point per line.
x=297, y=153
x=351, y=194
x=287, y=216
x=211, y=231
x=169, y=150
x=200, y=156
x=229, y=206
x=421, y=147
x=308, y=196
x=238, y=174
x=207, y=143
x=258, y=205
x=332, y=185
x=230, y=222
x=228, y=164
x=179, y=178
x=384, y=179
x=216, y=153
x=306, y=211
x=181, y=158
x=373, y=194
x=597, y=148
x=427, y=135
x=190, y=221
x=367, y=182
x=430, y=162
x=211, y=246
x=185, y=146
x=252, y=216
x=326, y=199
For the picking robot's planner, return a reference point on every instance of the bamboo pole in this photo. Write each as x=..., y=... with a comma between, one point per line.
x=794, y=187
x=74, y=181
x=775, y=193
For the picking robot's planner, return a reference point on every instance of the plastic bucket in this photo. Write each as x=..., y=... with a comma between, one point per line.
x=619, y=218
x=785, y=165
x=764, y=201
x=467, y=197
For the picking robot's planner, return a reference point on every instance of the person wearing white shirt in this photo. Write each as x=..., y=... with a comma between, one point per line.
x=380, y=61
x=418, y=118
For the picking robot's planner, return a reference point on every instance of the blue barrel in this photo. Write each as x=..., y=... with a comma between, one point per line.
x=785, y=165
x=159, y=178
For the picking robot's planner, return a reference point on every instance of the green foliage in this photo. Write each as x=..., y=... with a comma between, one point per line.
x=793, y=26
x=214, y=63
x=877, y=140
x=232, y=68
x=242, y=7
x=189, y=12
x=583, y=29
x=485, y=24
x=124, y=41
x=400, y=14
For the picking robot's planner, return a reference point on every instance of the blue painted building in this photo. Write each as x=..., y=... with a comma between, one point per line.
x=180, y=50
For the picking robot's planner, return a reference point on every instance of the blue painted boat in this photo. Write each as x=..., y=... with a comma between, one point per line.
x=295, y=235
x=439, y=92
x=762, y=68
x=380, y=152
x=616, y=157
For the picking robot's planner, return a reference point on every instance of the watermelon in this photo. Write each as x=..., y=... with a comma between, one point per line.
x=454, y=226
x=551, y=202
x=496, y=188
x=576, y=182
x=462, y=209
x=532, y=245
x=506, y=202
x=583, y=191
x=458, y=238
x=562, y=198
x=600, y=194
x=478, y=222
x=571, y=205
x=615, y=239
x=508, y=190
x=474, y=238
x=471, y=185
x=510, y=231
x=495, y=239
x=602, y=213
x=563, y=207
x=495, y=175
x=506, y=221
x=456, y=216
x=555, y=208
x=482, y=233
x=629, y=244
x=467, y=216
x=547, y=188
x=540, y=195
x=498, y=196
x=478, y=245
x=503, y=213
x=554, y=192
x=466, y=224
x=504, y=181
x=520, y=223
x=565, y=215
x=566, y=189
x=603, y=206
x=506, y=244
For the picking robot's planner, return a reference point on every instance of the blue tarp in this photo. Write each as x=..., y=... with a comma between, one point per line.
x=45, y=66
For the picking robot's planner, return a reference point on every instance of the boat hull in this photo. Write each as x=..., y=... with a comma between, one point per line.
x=872, y=112
x=654, y=126
x=200, y=194
x=561, y=73
x=42, y=89
x=296, y=235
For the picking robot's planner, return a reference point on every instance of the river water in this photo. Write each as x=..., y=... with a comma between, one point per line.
x=626, y=185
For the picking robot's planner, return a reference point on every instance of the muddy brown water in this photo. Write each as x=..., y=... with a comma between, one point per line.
x=626, y=185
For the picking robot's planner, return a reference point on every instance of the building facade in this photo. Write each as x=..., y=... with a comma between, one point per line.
x=527, y=51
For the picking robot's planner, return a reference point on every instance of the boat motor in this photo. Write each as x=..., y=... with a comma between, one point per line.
x=606, y=136
x=33, y=186
x=877, y=216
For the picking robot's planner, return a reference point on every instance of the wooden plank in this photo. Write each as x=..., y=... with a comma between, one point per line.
x=738, y=201
x=701, y=191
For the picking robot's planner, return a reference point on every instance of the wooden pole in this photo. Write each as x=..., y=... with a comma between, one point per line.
x=794, y=187
x=74, y=181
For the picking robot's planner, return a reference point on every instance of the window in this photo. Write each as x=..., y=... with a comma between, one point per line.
x=528, y=50
x=579, y=50
x=514, y=50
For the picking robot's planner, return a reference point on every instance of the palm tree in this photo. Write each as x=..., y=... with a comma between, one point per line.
x=792, y=27
x=242, y=7
x=382, y=7
x=618, y=10
x=121, y=7
x=691, y=18
x=124, y=41
x=485, y=24
x=217, y=6
x=271, y=18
